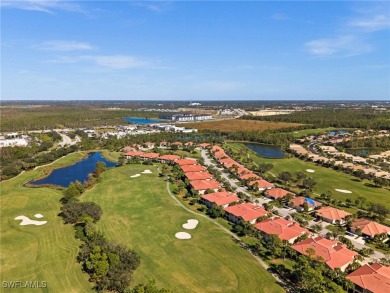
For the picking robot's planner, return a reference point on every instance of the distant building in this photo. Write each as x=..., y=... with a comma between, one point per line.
x=185, y=117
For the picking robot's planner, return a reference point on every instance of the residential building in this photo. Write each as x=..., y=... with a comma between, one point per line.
x=277, y=192
x=132, y=154
x=198, y=175
x=299, y=201
x=221, y=199
x=247, y=176
x=374, y=278
x=192, y=168
x=285, y=229
x=261, y=185
x=202, y=185
x=149, y=156
x=369, y=228
x=334, y=254
x=168, y=158
x=332, y=215
x=182, y=162
x=247, y=212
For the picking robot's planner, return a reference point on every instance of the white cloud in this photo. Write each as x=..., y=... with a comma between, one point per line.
x=279, y=16
x=47, y=6
x=373, y=23
x=117, y=61
x=107, y=61
x=64, y=46
x=157, y=7
x=345, y=45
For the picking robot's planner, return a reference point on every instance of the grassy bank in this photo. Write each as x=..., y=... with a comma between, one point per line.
x=38, y=253
x=327, y=179
x=140, y=212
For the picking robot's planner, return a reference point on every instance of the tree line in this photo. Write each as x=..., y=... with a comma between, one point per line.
x=109, y=264
x=332, y=117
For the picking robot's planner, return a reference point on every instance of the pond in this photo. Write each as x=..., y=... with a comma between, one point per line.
x=362, y=152
x=266, y=150
x=79, y=171
x=137, y=120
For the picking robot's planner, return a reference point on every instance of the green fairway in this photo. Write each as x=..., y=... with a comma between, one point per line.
x=327, y=179
x=140, y=213
x=38, y=253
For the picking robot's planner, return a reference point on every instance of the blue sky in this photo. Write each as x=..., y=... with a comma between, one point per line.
x=195, y=50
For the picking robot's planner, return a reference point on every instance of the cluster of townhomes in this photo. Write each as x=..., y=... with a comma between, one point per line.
x=334, y=254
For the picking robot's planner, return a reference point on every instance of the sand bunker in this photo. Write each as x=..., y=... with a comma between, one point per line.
x=182, y=235
x=136, y=175
x=27, y=221
x=343, y=191
x=147, y=172
x=191, y=224
x=310, y=170
x=38, y=216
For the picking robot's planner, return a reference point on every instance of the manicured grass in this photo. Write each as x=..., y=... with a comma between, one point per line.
x=140, y=213
x=336, y=229
x=233, y=125
x=327, y=179
x=38, y=253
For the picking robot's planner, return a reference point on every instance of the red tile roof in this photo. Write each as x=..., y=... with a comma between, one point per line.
x=284, y=229
x=189, y=143
x=216, y=148
x=192, y=168
x=182, y=162
x=198, y=175
x=332, y=213
x=278, y=192
x=134, y=154
x=261, y=183
x=300, y=200
x=170, y=157
x=205, y=184
x=177, y=143
x=228, y=161
x=150, y=155
x=247, y=176
x=370, y=228
x=334, y=254
x=219, y=154
x=242, y=170
x=128, y=149
x=247, y=211
x=204, y=145
x=375, y=278
x=221, y=198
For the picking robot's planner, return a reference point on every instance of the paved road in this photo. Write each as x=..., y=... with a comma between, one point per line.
x=282, y=211
x=285, y=212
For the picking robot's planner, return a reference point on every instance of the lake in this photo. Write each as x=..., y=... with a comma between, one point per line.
x=266, y=150
x=79, y=171
x=136, y=120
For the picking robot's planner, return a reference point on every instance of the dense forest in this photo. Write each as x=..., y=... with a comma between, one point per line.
x=348, y=118
x=65, y=116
